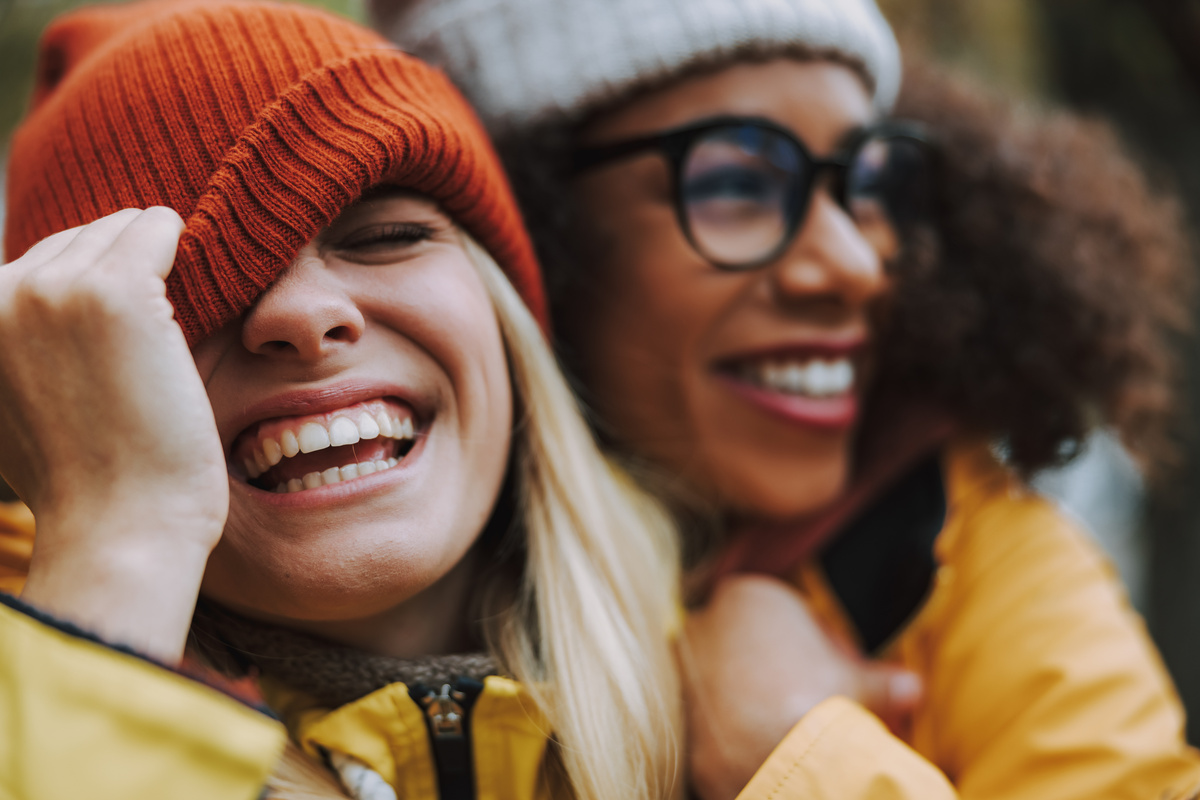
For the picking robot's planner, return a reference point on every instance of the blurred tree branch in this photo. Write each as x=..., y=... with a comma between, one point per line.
x=1179, y=23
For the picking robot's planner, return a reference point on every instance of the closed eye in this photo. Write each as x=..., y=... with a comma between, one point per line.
x=376, y=239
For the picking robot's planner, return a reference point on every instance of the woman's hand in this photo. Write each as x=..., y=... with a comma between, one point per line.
x=107, y=432
x=754, y=662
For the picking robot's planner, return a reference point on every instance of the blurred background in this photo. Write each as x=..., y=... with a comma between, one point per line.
x=1135, y=63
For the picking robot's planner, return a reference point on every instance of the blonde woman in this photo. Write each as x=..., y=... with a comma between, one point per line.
x=295, y=423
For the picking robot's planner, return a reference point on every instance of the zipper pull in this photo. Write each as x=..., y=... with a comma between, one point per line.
x=445, y=712
x=448, y=715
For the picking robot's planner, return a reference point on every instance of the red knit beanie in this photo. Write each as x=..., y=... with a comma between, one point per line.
x=258, y=122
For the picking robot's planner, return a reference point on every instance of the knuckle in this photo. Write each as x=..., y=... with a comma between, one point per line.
x=38, y=289
x=58, y=292
x=163, y=215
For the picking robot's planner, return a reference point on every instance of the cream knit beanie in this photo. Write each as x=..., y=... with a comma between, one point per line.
x=525, y=62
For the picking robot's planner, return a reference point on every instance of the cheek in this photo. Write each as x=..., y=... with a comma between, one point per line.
x=209, y=353
x=475, y=436
x=485, y=407
x=632, y=316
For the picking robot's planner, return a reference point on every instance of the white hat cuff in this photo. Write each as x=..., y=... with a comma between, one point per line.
x=524, y=62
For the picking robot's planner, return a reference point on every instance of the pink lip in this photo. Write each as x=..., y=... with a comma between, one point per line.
x=323, y=399
x=832, y=413
x=850, y=344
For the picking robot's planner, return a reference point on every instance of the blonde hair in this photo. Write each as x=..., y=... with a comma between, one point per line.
x=589, y=628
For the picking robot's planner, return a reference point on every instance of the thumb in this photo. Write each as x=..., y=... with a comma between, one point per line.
x=889, y=692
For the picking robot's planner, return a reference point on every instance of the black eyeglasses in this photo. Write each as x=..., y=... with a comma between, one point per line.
x=742, y=185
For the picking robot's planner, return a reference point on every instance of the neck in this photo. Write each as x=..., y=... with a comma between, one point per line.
x=433, y=622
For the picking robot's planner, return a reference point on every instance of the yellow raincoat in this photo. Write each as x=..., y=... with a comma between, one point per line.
x=1041, y=684
x=1041, y=681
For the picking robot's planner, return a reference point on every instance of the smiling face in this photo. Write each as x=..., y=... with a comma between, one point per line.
x=747, y=383
x=365, y=409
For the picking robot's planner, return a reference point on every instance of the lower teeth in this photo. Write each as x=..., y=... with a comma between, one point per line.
x=333, y=475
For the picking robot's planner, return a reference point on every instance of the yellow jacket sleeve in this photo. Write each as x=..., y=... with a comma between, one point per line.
x=1041, y=682
x=82, y=720
x=16, y=546
x=839, y=751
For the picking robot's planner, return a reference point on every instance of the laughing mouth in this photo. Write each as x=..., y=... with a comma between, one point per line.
x=301, y=453
x=818, y=378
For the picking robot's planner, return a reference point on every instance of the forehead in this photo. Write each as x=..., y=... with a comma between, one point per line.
x=818, y=99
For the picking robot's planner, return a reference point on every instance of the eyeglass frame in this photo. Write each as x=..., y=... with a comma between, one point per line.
x=675, y=144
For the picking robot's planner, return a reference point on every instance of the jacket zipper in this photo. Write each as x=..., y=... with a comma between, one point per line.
x=447, y=714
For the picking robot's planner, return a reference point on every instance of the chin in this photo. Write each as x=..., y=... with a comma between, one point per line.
x=306, y=583
x=784, y=494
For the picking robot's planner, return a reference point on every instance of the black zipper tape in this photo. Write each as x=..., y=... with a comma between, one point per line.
x=447, y=710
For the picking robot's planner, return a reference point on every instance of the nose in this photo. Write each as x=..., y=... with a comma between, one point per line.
x=829, y=259
x=306, y=313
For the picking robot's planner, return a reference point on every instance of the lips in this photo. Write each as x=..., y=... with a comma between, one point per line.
x=299, y=453
x=813, y=385
x=812, y=377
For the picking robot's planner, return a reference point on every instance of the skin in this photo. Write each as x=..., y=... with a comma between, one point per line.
x=124, y=486
x=656, y=317
x=652, y=323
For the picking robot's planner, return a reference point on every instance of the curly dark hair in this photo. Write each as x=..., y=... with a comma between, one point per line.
x=1043, y=299
x=1056, y=285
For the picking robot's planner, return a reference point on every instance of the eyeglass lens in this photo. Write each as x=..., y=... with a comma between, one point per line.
x=742, y=189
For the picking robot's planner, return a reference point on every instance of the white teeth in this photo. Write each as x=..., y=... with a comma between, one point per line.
x=817, y=382
x=342, y=432
x=385, y=424
x=272, y=451
x=314, y=480
x=313, y=437
x=368, y=428
x=816, y=378
x=843, y=376
x=793, y=378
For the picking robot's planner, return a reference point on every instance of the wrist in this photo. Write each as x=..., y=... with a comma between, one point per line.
x=133, y=513
x=139, y=591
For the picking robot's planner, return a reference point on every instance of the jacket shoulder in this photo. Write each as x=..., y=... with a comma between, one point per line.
x=79, y=718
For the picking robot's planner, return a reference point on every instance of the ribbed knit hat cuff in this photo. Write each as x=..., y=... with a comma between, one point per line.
x=258, y=123
x=316, y=149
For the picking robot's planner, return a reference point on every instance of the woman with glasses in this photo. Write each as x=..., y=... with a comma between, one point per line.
x=847, y=339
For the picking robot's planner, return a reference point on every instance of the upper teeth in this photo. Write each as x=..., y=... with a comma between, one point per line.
x=816, y=378
x=314, y=436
